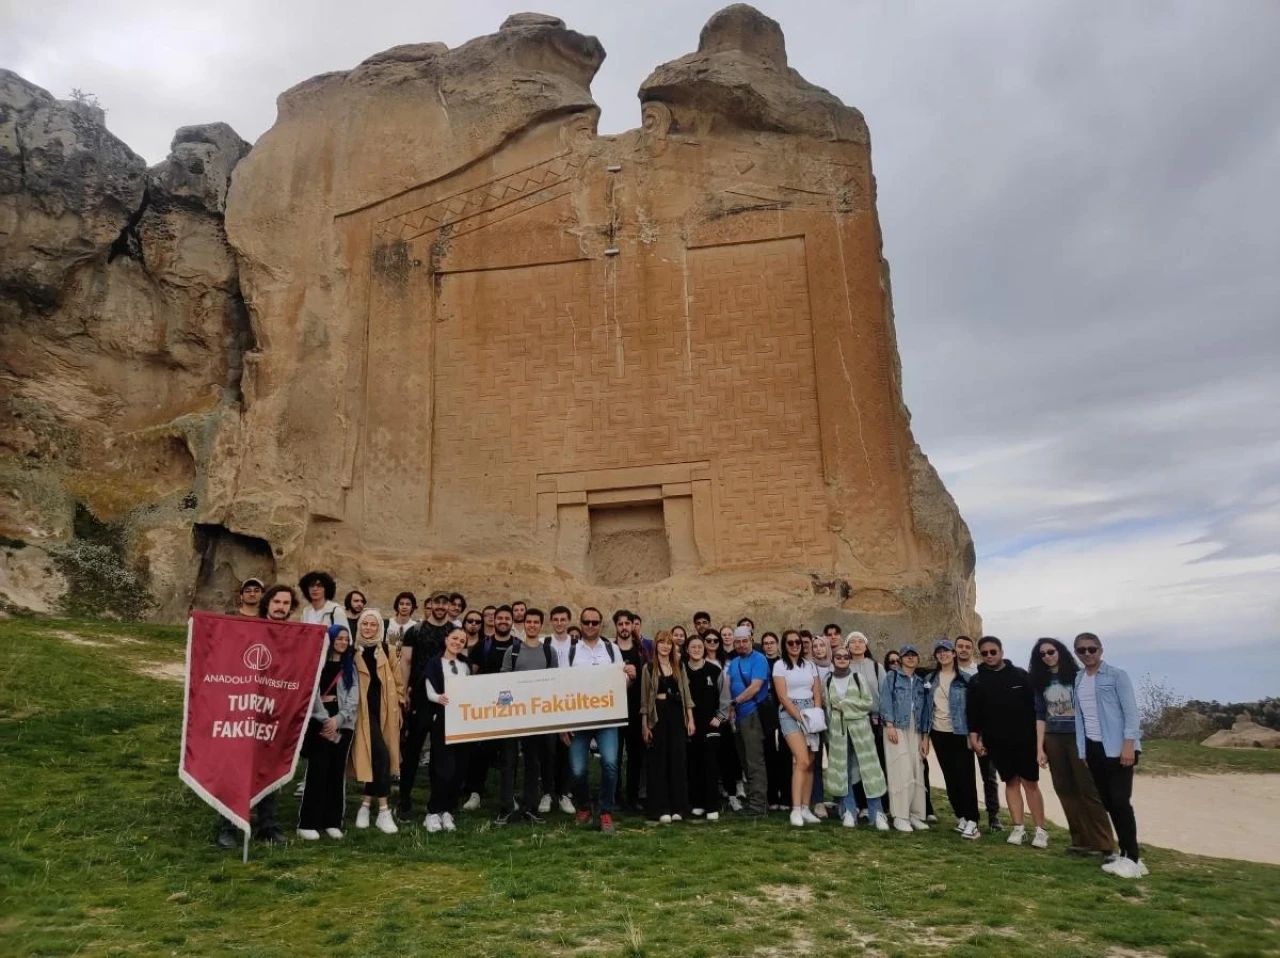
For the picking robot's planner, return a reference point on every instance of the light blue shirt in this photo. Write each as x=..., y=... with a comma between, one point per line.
x=1117, y=709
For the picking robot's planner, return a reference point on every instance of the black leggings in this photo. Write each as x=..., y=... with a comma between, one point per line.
x=417, y=728
x=1115, y=787
x=632, y=742
x=379, y=754
x=777, y=757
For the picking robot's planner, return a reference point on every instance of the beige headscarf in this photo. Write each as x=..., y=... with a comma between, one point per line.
x=374, y=614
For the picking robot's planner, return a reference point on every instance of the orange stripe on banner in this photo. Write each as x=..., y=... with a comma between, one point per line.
x=451, y=738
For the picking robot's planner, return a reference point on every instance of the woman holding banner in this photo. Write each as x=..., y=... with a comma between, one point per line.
x=376, y=741
x=328, y=741
x=446, y=760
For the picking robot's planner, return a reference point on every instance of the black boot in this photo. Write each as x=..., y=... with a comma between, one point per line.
x=228, y=836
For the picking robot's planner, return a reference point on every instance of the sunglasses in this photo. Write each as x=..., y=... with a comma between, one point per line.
x=990, y=653
x=472, y=621
x=1048, y=653
x=895, y=661
x=791, y=642
x=1087, y=650
x=841, y=655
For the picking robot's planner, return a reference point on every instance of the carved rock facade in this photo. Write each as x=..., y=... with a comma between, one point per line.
x=495, y=350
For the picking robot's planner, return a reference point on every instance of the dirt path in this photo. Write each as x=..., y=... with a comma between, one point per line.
x=1225, y=816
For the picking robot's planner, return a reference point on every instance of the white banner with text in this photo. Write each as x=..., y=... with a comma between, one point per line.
x=511, y=704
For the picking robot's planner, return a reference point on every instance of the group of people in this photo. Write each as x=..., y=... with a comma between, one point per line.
x=802, y=722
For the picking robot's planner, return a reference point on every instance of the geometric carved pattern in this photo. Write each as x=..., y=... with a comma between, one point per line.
x=496, y=193
x=550, y=369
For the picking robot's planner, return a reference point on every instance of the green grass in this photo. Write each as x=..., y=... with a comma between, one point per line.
x=1168, y=757
x=103, y=852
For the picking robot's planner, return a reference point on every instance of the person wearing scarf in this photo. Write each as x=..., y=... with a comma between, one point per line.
x=376, y=743
x=851, y=744
x=328, y=740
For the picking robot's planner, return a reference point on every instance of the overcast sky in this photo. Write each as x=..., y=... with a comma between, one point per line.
x=1081, y=205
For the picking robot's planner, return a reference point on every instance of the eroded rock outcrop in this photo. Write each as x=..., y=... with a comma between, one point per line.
x=489, y=348
x=121, y=331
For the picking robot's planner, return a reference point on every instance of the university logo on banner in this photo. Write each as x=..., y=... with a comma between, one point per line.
x=250, y=684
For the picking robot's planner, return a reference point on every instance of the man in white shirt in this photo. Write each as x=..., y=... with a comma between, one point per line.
x=593, y=651
x=561, y=780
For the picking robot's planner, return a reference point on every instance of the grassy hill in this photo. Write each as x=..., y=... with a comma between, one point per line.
x=104, y=852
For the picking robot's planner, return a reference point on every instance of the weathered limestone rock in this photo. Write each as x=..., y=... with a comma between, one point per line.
x=121, y=330
x=1244, y=733
x=486, y=347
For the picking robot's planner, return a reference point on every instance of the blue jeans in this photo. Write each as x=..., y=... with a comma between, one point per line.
x=579, y=748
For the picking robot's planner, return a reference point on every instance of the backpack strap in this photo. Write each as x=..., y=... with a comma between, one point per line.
x=549, y=652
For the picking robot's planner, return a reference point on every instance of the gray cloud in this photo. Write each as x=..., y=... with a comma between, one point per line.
x=1079, y=204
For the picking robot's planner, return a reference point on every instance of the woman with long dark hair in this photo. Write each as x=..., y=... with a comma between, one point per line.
x=328, y=740
x=795, y=679
x=666, y=716
x=1053, y=674
x=777, y=757
x=949, y=734
x=710, y=692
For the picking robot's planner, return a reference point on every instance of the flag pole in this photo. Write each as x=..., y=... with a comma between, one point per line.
x=245, y=860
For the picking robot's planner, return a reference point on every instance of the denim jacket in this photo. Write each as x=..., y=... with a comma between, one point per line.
x=1117, y=710
x=902, y=697
x=957, y=696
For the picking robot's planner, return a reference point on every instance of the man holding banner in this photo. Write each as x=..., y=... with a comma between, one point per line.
x=249, y=689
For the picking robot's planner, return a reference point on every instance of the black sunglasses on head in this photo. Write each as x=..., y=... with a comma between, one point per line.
x=1087, y=650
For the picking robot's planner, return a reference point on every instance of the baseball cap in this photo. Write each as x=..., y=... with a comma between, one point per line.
x=248, y=582
x=946, y=644
x=439, y=597
x=908, y=650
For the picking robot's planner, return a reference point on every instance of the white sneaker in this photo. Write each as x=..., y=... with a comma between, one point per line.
x=446, y=822
x=432, y=823
x=847, y=820
x=1124, y=868
x=796, y=818
x=713, y=816
x=698, y=812
x=566, y=805
x=1142, y=868
x=386, y=823
x=931, y=819
x=970, y=830
x=1016, y=835
x=819, y=811
x=333, y=832
x=362, y=817
x=544, y=804
x=808, y=816
x=472, y=803
x=960, y=825
x=902, y=825
x=735, y=803
x=882, y=822
x=664, y=819
x=919, y=826
x=676, y=817
x=1041, y=839
x=310, y=834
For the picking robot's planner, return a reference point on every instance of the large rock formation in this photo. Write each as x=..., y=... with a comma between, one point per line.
x=494, y=350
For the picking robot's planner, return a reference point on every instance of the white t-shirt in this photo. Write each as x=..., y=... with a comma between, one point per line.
x=841, y=685
x=561, y=648
x=328, y=614
x=1087, y=702
x=799, y=679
